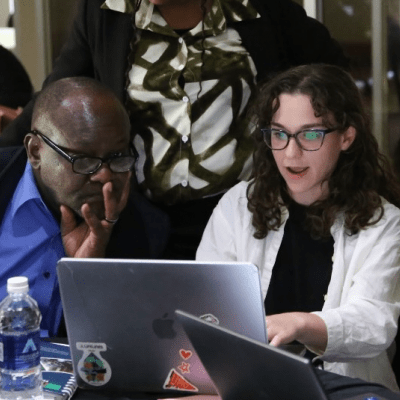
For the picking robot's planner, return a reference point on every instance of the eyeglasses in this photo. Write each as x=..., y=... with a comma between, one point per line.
x=307, y=139
x=89, y=165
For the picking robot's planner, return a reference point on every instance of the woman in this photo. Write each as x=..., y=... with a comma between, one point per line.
x=320, y=220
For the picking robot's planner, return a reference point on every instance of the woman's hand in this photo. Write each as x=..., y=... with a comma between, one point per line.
x=306, y=328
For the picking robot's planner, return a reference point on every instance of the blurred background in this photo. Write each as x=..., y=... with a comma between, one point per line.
x=368, y=31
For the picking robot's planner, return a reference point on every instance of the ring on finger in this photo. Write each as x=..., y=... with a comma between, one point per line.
x=111, y=221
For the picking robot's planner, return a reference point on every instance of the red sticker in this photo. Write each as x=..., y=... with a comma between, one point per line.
x=185, y=354
x=184, y=367
x=176, y=381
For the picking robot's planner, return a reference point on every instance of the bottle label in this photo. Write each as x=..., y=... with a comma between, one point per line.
x=20, y=352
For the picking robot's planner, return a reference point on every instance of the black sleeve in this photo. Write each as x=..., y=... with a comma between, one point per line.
x=75, y=60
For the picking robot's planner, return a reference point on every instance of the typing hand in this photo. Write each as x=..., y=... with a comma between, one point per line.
x=89, y=237
x=306, y=328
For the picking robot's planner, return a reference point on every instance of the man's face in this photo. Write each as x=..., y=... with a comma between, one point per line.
x=94, y=131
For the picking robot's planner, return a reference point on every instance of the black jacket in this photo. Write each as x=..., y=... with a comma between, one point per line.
x=98, y=47
x=141, y=231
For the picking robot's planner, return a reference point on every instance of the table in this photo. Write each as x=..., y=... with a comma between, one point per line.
x=337, y=387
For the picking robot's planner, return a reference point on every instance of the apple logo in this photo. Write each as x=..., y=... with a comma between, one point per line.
x=162, y=327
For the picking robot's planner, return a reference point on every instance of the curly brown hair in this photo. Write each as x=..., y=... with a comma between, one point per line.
x=361, y=176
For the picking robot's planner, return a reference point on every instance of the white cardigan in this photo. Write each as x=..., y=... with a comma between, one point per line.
x=362, y=305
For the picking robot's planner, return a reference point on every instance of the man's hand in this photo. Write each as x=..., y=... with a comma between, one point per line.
x=306, y=328
x=90, y=237
x=7, y=115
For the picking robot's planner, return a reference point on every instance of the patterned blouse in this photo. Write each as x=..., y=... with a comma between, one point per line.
x=188, y=98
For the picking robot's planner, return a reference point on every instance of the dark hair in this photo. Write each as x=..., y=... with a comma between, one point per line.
x=361, y=175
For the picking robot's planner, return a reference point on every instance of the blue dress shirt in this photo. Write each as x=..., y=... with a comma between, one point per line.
x=31, y=245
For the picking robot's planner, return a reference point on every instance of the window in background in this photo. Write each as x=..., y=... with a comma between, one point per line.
x=4, y=11
x=393, y=35
x=7, y=32
x=354, y=33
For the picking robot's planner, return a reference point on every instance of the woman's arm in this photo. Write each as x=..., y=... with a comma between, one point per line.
x=359, y=319
x=362, y=307
x=308, y=329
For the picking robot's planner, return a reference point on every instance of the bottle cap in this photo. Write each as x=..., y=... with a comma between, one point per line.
x=17, y=284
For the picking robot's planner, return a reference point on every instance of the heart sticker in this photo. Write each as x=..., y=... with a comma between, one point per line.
x=185, y=354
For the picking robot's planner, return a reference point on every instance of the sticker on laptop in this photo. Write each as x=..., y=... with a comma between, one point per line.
x=92, y=367
x=176, y=381
x=184, y=368
x=185, y=354
x=212, y=319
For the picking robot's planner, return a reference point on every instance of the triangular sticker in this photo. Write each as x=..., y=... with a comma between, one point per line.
x=176, y=381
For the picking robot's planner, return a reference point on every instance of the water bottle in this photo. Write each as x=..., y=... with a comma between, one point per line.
x=21, y=376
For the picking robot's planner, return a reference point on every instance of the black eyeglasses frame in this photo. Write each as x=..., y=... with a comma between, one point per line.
x=72, y=160
x=324, y=132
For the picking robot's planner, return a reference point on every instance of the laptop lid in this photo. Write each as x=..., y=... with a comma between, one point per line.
x=243, y=368
x=121, y=324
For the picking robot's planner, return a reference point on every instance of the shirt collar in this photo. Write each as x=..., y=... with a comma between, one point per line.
x=221, y=13
x=26, y=191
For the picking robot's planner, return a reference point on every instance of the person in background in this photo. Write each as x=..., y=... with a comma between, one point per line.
x=66, y=193
x=186, y=70
x=320, y=219
x=15, y=87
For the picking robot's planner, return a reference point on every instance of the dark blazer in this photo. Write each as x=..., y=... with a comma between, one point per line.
x=98, y=47
x=141, y=231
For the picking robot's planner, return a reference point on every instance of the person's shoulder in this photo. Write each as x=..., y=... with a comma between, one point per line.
x=94, y=3
x=237, y=192
x=100, y=5
x=390, y=210
x=385, y=221
x=91, y=8
x=94, y=6
x=274, y=6
x=234, y=201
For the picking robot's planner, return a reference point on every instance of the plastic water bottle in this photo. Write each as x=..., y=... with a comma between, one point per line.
x=21, y=376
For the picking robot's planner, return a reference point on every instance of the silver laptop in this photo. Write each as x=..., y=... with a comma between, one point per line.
x=243, y=368
x=122, y=327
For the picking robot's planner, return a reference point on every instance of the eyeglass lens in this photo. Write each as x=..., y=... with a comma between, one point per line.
x=87, y=165
x=308, y=140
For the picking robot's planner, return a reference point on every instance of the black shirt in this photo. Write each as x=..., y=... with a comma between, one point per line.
x=302, y=269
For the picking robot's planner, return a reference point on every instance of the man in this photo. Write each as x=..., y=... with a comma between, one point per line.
x=72, y=198
x=186, y=70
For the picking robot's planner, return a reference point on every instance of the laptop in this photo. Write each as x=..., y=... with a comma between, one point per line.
x=244, y=368
x=122, y=328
